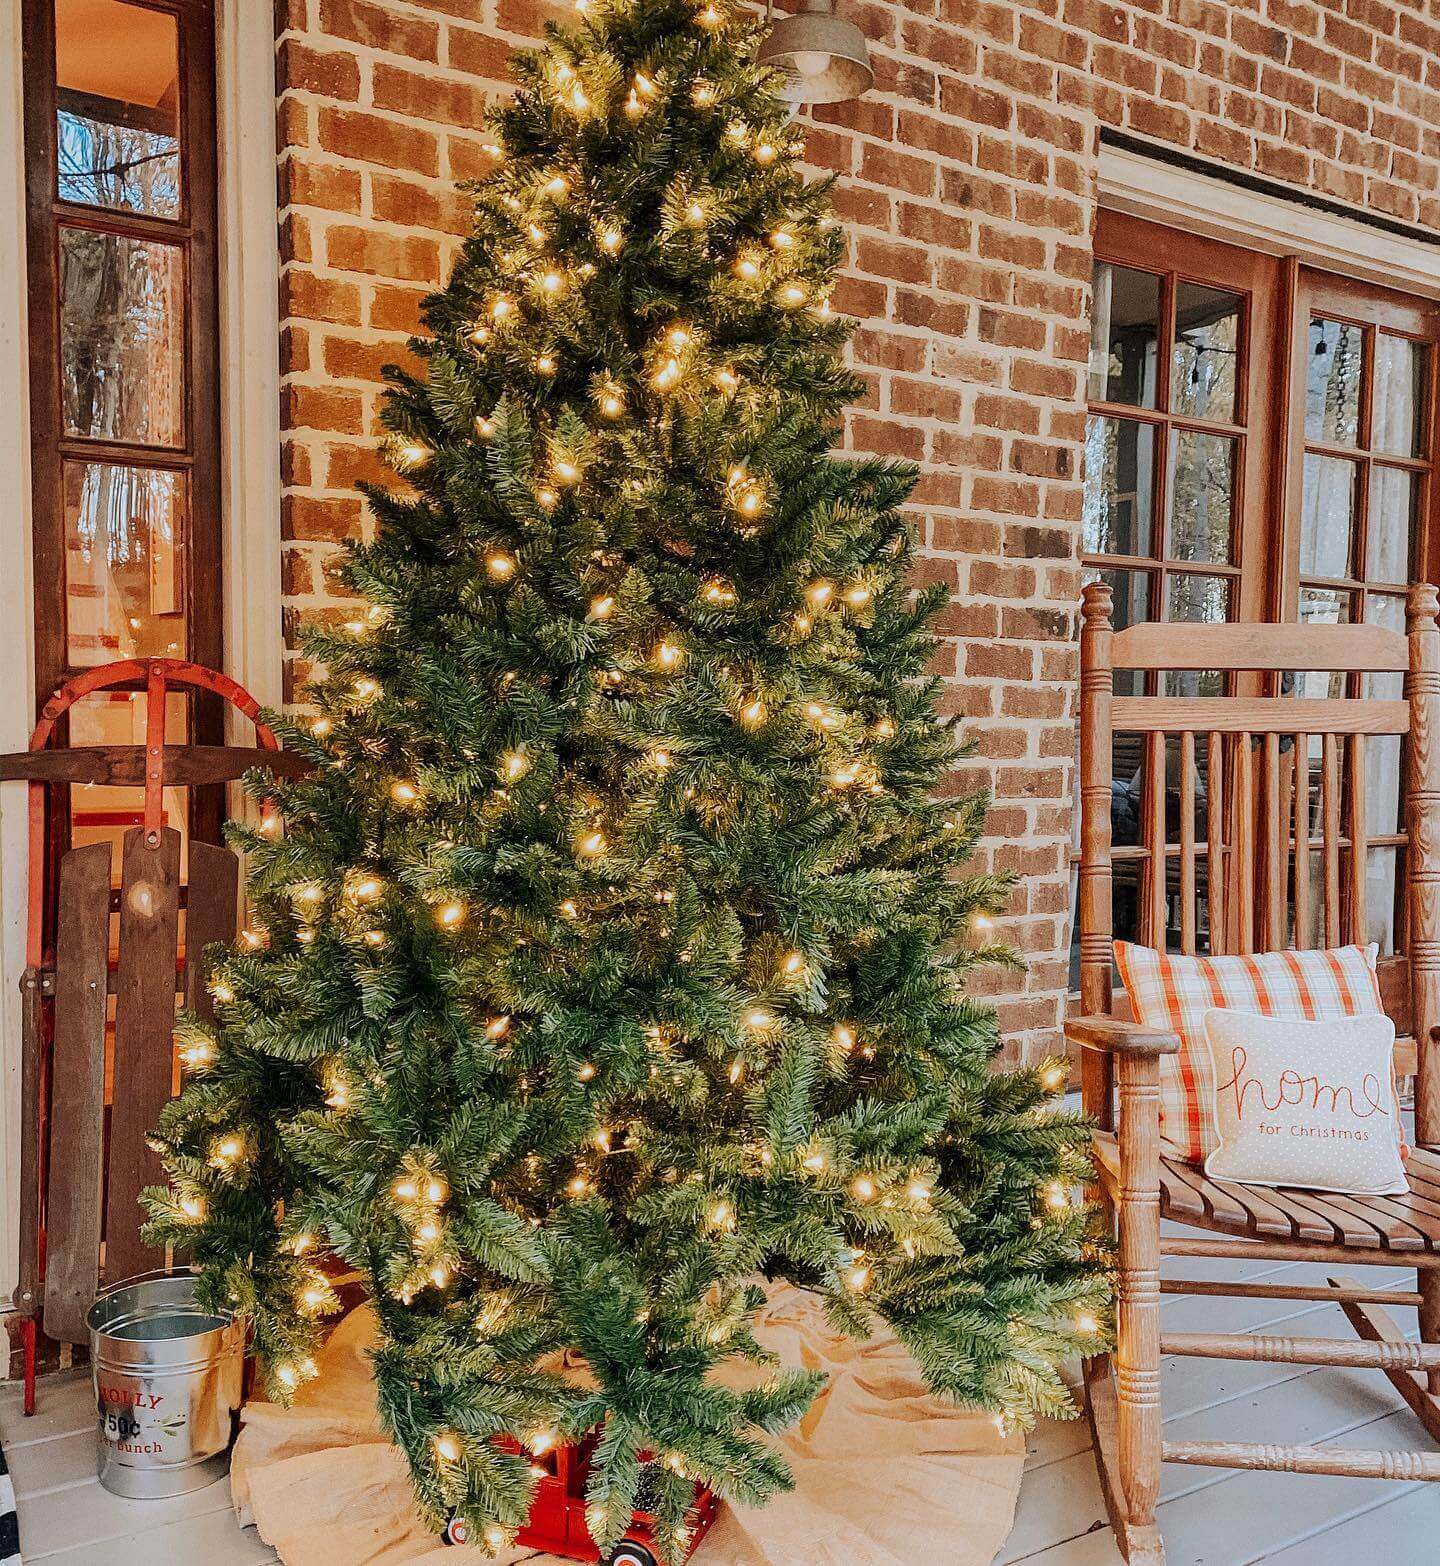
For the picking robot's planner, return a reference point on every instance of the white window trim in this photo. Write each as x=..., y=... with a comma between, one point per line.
x=1183, y=198
x=250, y=467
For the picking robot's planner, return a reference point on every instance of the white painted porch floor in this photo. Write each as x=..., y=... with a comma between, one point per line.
x=1211, y=1517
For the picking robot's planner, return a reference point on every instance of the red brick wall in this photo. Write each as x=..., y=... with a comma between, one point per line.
x=968, y=185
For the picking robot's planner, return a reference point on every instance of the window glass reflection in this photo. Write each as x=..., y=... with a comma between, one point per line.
x=118, y=106
x=1399, y=396
x=1332, y=382
x=1124, y=335
x=124, y=577
x=1327, y=516
x=1202, y=490
x=1206, y=352
x=1119, y=483
x=122, y=346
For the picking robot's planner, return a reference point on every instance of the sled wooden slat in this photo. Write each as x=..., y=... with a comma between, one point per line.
x=210, y=915
x=76, y=1173
x=144, y=1025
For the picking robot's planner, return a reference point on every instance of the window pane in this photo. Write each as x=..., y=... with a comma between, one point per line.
x=118, y=106
x=1380, y=868
x=1327, y=517
x=1196, y=598
x=1201, y=498
x=1387, y=609
x=1207, y=348
x=122, y=348
x=1332, y=391
x=1124, y=335
x=1390, y=528
x=124, y=572
x=1119, y=479
x=1321, y=606
x=1399, y=396
x=1130, y=598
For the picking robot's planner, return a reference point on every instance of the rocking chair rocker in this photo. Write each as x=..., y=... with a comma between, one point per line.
x=1258, y=807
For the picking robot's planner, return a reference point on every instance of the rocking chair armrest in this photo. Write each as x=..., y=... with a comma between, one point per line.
x=1113, y=1036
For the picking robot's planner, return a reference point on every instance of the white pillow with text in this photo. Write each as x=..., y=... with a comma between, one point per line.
x=1307, y=1104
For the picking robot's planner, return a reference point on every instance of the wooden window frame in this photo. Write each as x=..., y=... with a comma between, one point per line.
x=195, y=232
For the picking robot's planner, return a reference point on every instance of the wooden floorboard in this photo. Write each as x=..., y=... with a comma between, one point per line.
x=1211, y=1517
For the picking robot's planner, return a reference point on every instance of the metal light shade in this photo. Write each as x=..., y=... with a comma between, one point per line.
x=824, y=57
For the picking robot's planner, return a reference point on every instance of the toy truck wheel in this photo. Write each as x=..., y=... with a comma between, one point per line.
x=628, y=1554
x=457, y=1531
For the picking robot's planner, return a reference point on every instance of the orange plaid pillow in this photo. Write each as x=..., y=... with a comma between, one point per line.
x=1170, y=991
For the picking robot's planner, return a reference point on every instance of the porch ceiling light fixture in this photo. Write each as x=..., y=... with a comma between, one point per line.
x=825, y=58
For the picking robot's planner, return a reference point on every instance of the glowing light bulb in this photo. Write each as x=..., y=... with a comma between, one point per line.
x=447, y=1447
x=747, y=266
x=721, y=1215
x=858, y=1277
x=764, y=153
x=502, y=307
x=601, y=608
x=726, y=379
x=566, y=472
x=843, y=1036
x=405, y=1190
x=403, y=793
x=429, y=1231
x=193, y=1207
x=818, y=594
x=556, y=186
x=611, y=240
x=1056, y=1196
x=758, y=1019
x=546, y=498
x=542, y=1441
x=864, y=1188
x=612, y=405
x=794, y=963
x=545, y=364
x=367, y=888
x=514, y=764
x=659, y=759
x=1086, y=1323
x=1055, y=1078
x=287, y=1375
x=694, y=215
x=918, y=1191
x=374, y=937
x=592, y=844
x=710, y=17
x=858, y=596
x=668, y=655
x=737, y=1070
x=480, y=334
x=198, y=1054
x=752, y=714
x=569, y=910
x=633, y=106
x=222, y=992
x=413, y=453
x=321, y=727
x=667, y=375
x=450, y=915
x=792, y=296
x=228, y=1150
x=552, y=282
x=365, y=688
x=578, y=1185
x=816, y=1163
x=702, y=94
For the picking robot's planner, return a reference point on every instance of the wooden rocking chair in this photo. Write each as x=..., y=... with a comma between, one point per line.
x=1257, y=807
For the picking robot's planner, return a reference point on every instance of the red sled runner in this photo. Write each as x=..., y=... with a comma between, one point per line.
x=557, y=1516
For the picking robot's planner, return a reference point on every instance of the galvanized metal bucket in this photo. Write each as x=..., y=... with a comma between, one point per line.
x=167, y=1386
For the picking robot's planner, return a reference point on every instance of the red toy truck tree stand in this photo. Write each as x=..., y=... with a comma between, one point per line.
x=557, y=1517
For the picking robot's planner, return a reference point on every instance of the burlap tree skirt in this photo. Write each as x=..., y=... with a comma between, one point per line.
x=885, y=1474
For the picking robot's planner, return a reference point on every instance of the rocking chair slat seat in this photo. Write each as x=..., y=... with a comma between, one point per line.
x=1395, y=1223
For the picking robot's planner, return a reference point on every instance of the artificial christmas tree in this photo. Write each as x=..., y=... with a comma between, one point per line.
x=611, y=958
